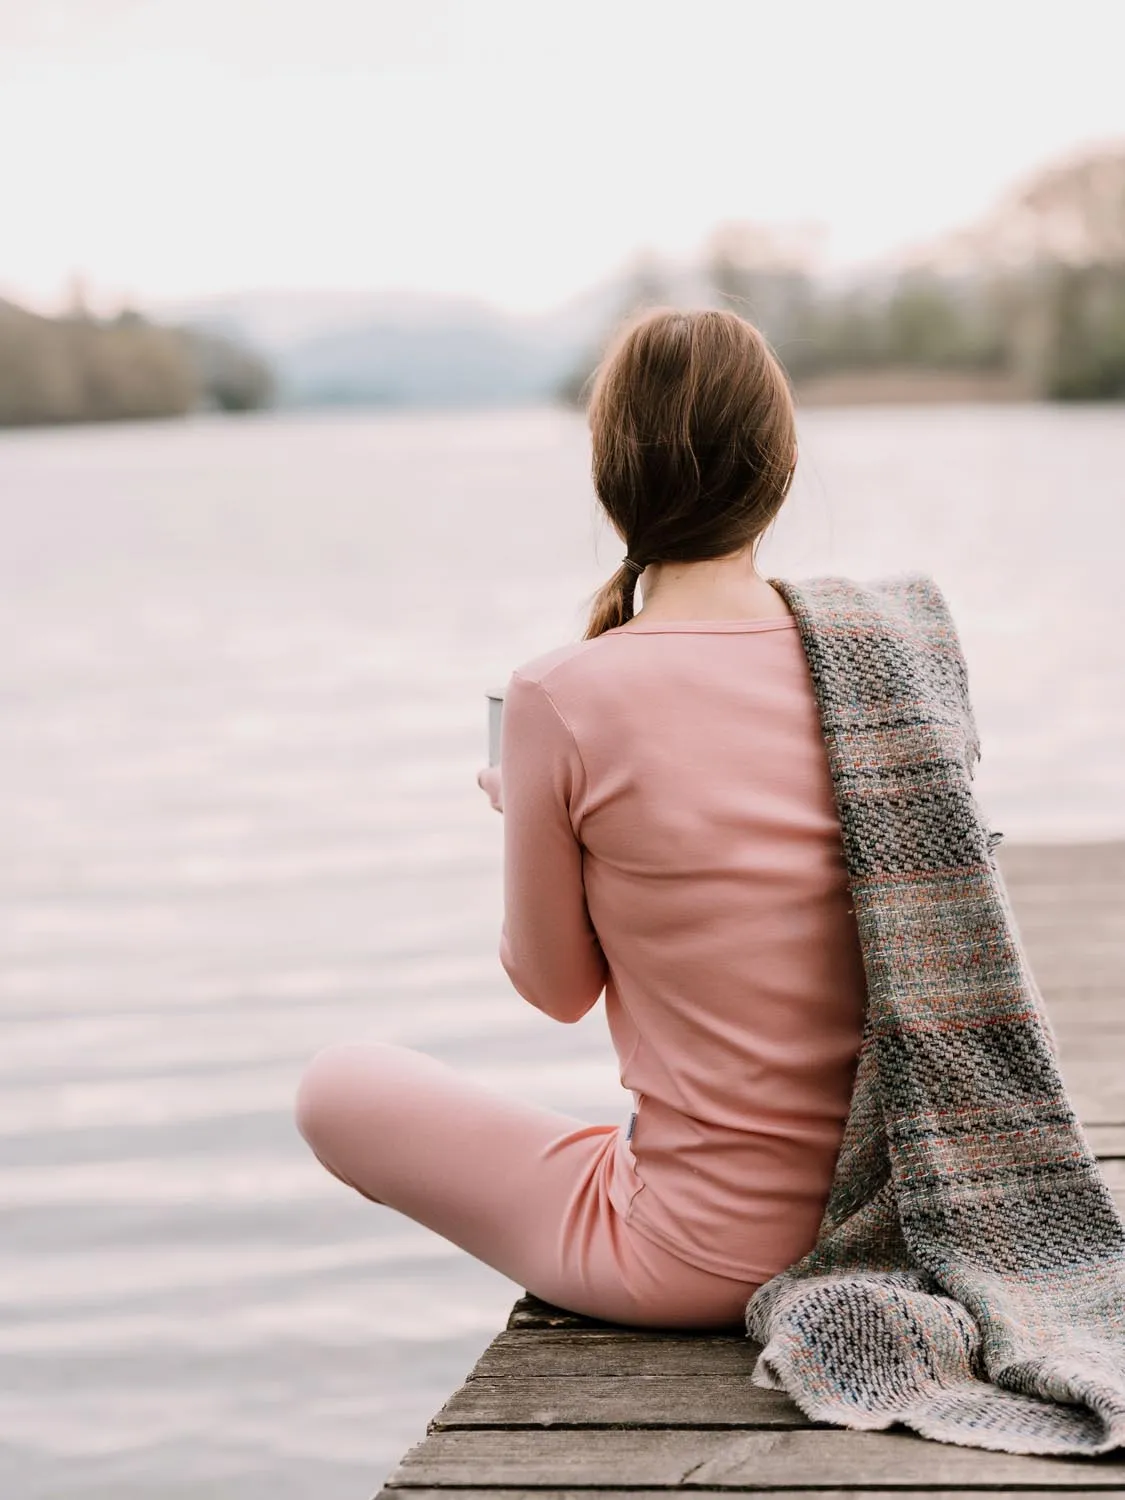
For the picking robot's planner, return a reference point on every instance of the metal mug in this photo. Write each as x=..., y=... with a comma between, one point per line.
x=495, y=711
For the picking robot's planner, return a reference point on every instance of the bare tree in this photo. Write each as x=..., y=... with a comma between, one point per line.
x=1070, y=214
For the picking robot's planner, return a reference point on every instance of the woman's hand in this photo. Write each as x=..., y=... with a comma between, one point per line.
x=489, y=781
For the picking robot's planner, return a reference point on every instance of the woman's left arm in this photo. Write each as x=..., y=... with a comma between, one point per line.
x=548, y=945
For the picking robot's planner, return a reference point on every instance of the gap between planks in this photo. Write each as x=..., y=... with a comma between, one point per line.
x=628, y=1458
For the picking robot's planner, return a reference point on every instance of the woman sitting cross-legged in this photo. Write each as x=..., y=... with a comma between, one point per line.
x=671, y=839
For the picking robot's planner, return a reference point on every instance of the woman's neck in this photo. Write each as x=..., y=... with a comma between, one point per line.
x=722, y=588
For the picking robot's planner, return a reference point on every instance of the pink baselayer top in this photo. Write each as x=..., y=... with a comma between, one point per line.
x=671, y=836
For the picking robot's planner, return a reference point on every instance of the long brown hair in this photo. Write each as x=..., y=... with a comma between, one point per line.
x=694, y=442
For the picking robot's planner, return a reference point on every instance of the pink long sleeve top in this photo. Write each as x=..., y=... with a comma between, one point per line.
x=671, y=837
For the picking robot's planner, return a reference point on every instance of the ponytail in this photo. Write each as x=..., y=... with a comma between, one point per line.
x=612, y=605
x=693, y=436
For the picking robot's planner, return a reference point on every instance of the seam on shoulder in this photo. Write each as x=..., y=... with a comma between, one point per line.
x=532, y=682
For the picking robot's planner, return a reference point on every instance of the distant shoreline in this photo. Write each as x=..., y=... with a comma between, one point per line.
x=911, y=387
x=846, y=389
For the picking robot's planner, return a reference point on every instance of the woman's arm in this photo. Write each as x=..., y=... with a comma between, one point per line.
x=548, y=945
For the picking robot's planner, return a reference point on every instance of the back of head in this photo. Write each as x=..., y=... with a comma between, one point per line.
x=694, y=442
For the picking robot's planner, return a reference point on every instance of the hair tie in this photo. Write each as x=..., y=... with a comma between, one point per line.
x=634, y=567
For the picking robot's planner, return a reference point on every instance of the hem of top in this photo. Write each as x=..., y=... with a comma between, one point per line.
x=708, y=627
x=693, y=1257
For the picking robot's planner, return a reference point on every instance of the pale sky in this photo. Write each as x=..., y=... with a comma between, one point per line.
x=516, y=150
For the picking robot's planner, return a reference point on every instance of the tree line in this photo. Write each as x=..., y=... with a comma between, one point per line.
x=1032, y=297
x=79, y=368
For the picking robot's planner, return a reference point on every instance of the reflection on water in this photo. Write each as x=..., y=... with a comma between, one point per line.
x=244, y=670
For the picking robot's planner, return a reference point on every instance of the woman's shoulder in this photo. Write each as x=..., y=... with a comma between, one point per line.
x=576, y=659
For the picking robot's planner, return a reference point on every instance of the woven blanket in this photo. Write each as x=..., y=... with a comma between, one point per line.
x=968, y=1277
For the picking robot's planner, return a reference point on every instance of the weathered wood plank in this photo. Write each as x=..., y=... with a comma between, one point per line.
x=1108, y=1141
x=530, y=1354
x=1068, y=905
x=916, y=1493
x=532, y=1312
x=686, y=1458
x=617, y=1401
x=1087, y=1013
x=1096, y=1103
x=1061, y=867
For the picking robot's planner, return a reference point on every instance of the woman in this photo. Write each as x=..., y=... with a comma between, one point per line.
x=671, y=837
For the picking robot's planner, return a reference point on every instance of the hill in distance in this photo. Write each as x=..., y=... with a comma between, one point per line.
x=402, y=347
x=408, y=348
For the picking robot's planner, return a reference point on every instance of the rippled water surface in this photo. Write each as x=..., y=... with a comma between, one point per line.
x=242, y=671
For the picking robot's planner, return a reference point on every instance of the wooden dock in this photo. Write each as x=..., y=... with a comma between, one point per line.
x=558, y=1405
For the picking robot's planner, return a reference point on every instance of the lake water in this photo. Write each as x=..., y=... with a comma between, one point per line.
x=243, y=674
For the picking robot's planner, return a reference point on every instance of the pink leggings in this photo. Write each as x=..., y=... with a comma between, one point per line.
x=520, y=1188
